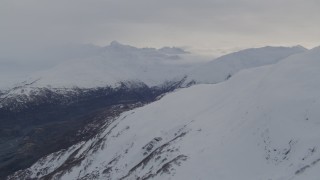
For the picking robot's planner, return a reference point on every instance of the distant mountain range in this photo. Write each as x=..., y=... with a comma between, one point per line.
x=118, y=64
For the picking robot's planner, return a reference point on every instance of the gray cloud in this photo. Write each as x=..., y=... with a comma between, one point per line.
x=29, y=27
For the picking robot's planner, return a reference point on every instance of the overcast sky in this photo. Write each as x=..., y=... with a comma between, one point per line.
x=30, y=26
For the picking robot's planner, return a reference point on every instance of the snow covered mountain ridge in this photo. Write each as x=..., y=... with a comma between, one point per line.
x=123, y=63
x=225, y=66
x=110, y=65
x=263, y=123
x=39, y=112
x=118, y=64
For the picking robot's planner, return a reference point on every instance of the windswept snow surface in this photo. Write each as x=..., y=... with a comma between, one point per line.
x=263, y=123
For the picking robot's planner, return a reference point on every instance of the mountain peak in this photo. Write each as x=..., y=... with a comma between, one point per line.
x=115, y=44
x=300, y=47
x=173, y=50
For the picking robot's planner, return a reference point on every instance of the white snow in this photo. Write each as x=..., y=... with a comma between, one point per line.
x=261, y=124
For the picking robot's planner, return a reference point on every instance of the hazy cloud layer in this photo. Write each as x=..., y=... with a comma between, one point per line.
x=28, y=27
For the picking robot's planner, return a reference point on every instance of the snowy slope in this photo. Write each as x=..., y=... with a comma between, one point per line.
x=224, y=67
x=263, y=123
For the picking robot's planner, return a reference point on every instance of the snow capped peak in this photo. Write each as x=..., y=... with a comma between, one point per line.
x=115, y=44
x=118, y=45
x=225, y=66
x=173, y=50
